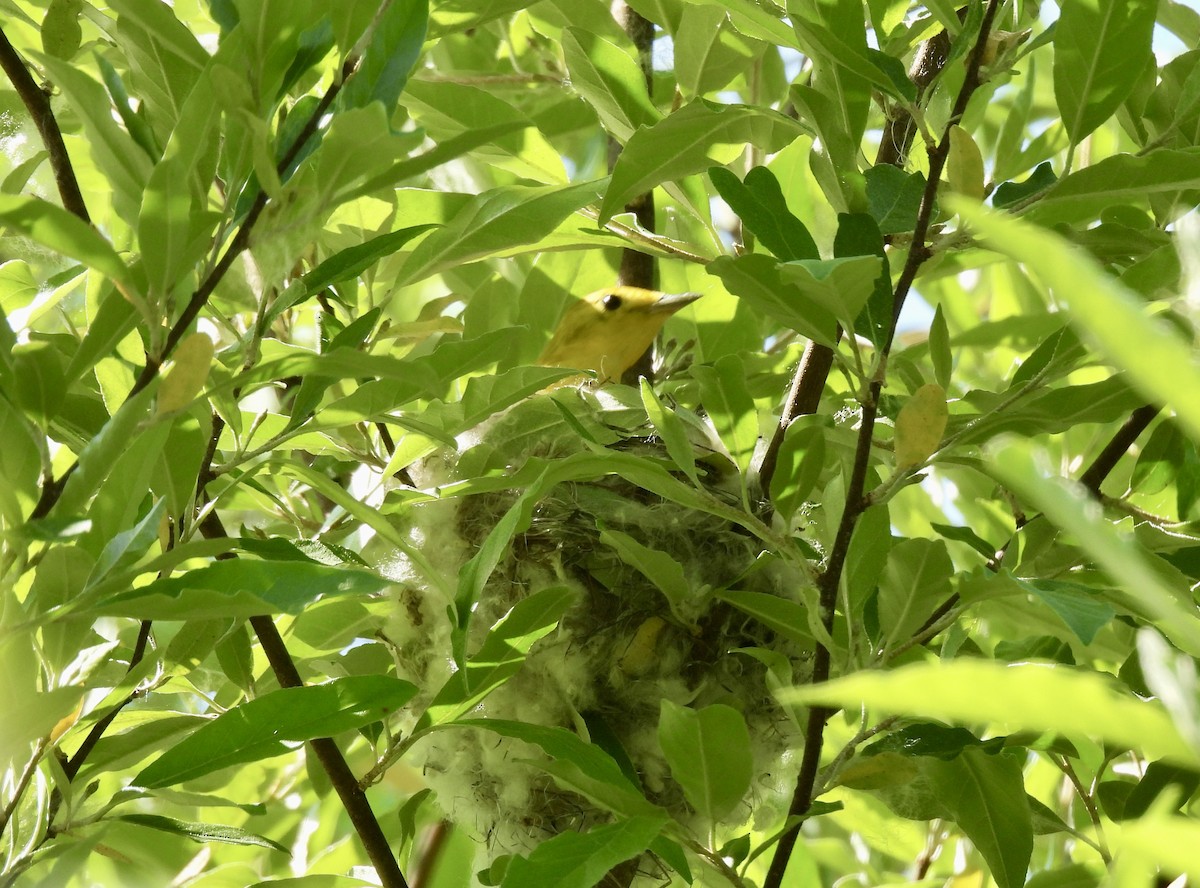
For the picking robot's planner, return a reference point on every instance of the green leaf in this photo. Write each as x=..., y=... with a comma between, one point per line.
x=396, y=40
x=496, y=222
x=870, y=544
x=202, y=832
x=60, y=231
x=940, y=354
x=670, y=429
x=576, y=860
x=447, y=110
x=1155, y=600
x=275, y=723
x=37, y=380
x=115, y=319
x=798, y=464
x=657, y=566
x=1101, y=48
x=730, y=406
x=709, y=51
x=760, y=204
x=454, y=16
x=20, y=465
x=609, y=80
x=61, y=33
x=1023, y=696
x=926, y=739
x=858, y=235
x=1117, y=180
x=965, y=535
x=894, y=197
x=883, y=71
x=1079, y=606
x=1159, y=460
x=164, y=55
x=97, y=457
x=558, y=743
x=841, y=286
x=173, y=235
x=709, y=753
x=759, y=281
x=1113, y=317
x=1178, y=784
x=915, y=582
x=986, y=795
x=502, y=653
x=240, y=587
x=684, y=143
x=757, y=20
x=353, y=261
x=1009, y=193
x=124, y=164
x=788, y=618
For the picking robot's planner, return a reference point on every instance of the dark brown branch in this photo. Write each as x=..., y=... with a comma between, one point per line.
x=72, y=765
x=804, y=397
x=831, y=576
x=341, y=777
x=638, y=269
x=354, y=800
x=901, y=128
x=37, y=103
x=1107, y=459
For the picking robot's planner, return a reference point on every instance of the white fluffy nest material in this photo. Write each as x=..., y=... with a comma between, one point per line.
x=617, y=653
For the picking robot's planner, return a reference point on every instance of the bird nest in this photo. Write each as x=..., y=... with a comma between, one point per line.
x=623, y=647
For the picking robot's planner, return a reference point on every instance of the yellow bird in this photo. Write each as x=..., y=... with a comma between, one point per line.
x=607, y=331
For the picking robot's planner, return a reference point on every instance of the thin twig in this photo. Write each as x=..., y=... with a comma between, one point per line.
x=23, y=781
x=1089, y=804
x=37, y=103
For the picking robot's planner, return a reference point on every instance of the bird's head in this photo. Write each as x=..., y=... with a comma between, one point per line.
x=607, y=331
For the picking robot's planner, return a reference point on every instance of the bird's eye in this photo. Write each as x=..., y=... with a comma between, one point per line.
x=611, y=302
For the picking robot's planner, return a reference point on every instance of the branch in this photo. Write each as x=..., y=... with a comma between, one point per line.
x=1107, y=459
x=37, y=103
x=804, y=397
x=808, y=382
x=638, y=269
x=354, y=800
x=831, y=577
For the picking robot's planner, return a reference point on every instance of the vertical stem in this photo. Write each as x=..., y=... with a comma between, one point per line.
x=638, y=269
x=856, y=504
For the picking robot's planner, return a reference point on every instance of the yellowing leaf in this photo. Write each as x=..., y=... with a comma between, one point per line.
x=964, y=166
x=66, y=722
x=184, y=381
x=878, y=771
x=920, y=424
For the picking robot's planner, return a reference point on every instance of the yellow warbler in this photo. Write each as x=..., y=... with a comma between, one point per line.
x=608, y=330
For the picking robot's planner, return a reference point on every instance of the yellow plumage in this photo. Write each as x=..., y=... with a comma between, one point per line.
x=607, y=331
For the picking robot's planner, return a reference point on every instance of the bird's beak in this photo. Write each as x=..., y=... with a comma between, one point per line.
x=672, y=302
